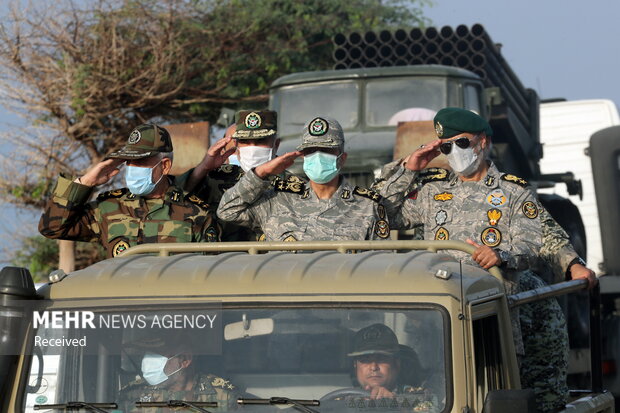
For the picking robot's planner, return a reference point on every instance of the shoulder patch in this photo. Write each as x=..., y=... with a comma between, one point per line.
x=117, y=193
x=367, y=193
x=432, y=174
x=194, y=199
x=514, y=179
x=291, y=184
x=227, y=172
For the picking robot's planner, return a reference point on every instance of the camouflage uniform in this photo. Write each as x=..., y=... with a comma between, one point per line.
x=118, y=219
x=289, y=210
x=556, y=253
x=206, y=388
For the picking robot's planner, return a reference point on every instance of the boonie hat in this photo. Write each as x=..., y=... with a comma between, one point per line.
x=322, y=132
x=450, y=122
x=375, y=339
x=144, y=141
x=256, y=124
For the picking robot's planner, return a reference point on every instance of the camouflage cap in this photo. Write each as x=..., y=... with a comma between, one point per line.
x=144, y=141
x=256, y=124
x=450, y=122
x=375, y=339
x=322, y=132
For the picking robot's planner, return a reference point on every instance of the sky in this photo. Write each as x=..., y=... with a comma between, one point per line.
x=564, y=49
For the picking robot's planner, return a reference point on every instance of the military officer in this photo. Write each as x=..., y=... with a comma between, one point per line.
x=499, y=215
x=326, y=208
x=151, y=209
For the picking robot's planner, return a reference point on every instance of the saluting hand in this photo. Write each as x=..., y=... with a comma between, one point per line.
x=101, y=173
x=484, y=255
x=277, y=165
x=217, y=154
x=421, y=157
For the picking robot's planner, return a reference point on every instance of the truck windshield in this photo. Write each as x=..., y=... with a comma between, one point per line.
x=389, y=101
x=336, y=354
x=299, y=104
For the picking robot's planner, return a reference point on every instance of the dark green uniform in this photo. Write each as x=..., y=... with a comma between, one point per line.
x=119, y=219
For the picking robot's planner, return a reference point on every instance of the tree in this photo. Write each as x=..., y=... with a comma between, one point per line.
x=84, y=74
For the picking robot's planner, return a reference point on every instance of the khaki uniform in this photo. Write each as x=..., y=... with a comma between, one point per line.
x=206, y=388
x=119, y=219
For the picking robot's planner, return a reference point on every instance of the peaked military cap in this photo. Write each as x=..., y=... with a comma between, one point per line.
x=144, y=141
x=450, y=122
x=375, y=339
x=256, y=124
x=322, y=132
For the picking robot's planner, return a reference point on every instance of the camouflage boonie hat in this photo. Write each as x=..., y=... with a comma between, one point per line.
x=144, y=141
x=375, y=339
x=322, y=132
x=256, y=124
x=450, y=122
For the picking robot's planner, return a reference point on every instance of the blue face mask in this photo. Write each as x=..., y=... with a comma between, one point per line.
x=153, y=368
x=139, y=180
x=321, y=167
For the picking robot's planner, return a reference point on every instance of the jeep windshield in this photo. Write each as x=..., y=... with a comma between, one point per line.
x=268, y=353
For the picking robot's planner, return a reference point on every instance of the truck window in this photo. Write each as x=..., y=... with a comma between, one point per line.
x=471, y=98
x=386, y=97
x=488, y=357
x=299, y=353
x=299, y=104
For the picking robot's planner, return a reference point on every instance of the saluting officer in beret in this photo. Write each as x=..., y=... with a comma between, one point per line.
x=328, y=207
x=499, y=215
x=152, y=208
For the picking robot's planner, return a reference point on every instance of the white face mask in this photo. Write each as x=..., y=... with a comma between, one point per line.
x=464, y=161
x=153, y=368
x=253, y=156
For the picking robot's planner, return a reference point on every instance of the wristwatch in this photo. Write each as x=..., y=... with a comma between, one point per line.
x=504, y=256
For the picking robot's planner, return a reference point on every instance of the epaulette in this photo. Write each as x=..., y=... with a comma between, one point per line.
x=221, y=383
x=227, y=172
x=194, y=199
x=367, y=193
x=292, y=184
x=514, y=179
x=116, y=193
x=432, y=175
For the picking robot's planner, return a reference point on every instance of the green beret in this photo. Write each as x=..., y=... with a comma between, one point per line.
x=450, y=122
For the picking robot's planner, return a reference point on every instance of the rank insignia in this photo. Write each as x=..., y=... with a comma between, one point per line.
x=515, y=179
x=367, y=193
x=318, y=127
x=175, y=196
x=382, y=229
x=489, y=181
x=262, y=238
x=444, y=196
x=346, y=194
x=131, y=196
x=491, y=237
x=494, y=215
x=119, y=247
x=253, y=120
x=381, y=211
x=529, y=209
x=442, y=234
x=117, y=193
x=196, y=200
x=496, y=198
x=439, y=129
x=441, y=217
x=432, y=175
x=290, y=238
x=211, y=235
x=134, y=137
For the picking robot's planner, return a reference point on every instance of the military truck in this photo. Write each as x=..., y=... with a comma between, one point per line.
x=274, y=326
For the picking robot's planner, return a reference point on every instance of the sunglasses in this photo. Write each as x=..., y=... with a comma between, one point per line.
x=462, y=143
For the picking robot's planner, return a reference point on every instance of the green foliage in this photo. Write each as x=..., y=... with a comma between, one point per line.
x=39, y=255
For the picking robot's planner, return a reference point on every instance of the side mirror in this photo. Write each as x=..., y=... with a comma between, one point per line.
x=510, y=401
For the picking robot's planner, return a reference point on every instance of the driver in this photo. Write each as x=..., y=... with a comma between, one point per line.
x=168, y=373
x=377, y=362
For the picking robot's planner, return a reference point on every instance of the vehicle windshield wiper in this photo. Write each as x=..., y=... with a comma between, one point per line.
x=301, y=405
x=198, y=406
x=95, y=407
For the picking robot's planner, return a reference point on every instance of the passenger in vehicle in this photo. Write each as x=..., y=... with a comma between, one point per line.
x=168, y=373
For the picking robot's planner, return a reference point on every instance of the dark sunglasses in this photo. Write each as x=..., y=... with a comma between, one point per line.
x=462, y=143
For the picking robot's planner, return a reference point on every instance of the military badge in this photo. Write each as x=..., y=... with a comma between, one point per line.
x=381, y=211
x=515, y=179
x=262, y=238
x=496, y=198
x=253, y=120
x=196, y=200
x=442, y=234
x=439, y=129
x=432, y=175
x=175, y=196
x=119, y=247
x=382, y=229
x=346, y=194
x=441, y=217
x=367, y=193
x=134, y=137
x=529, y=209
x=491, y=237
x=489, y=181
x=494, y=215
x=117, y=193
x=290, y=238
x=443, y=197
x=318, y=127
x=211, y=235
